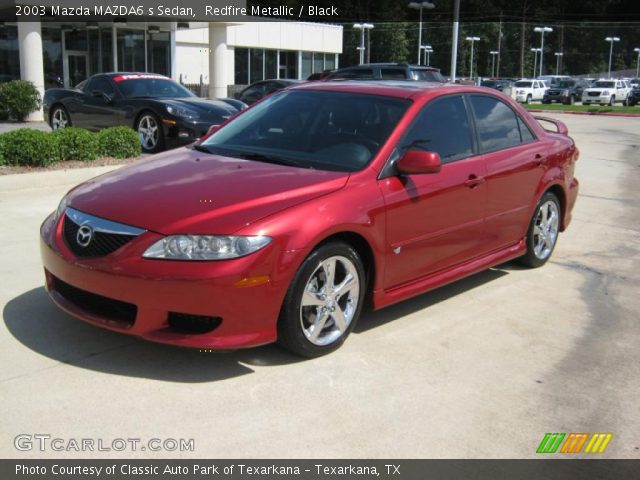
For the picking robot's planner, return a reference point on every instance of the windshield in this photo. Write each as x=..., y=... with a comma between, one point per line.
x=565, y=84
x=311, y=129
x=605, y=84
x=523, y=84
x=152, y=87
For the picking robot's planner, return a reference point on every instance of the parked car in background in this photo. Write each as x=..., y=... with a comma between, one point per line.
x=634, y=97
x=634, y=82
x=496, y=83
x=388, y=71
x=319, y=200
x=261, y=89
x=528, y=90
x=565, y=91
x=606, y=92
x=164, y=113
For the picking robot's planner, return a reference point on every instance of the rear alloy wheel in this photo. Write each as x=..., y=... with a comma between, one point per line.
x=60, y=119
x=150, y=133
x=324, y=301
x=543, y=231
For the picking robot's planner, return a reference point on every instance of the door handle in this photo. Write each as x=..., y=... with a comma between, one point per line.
x=473, y=181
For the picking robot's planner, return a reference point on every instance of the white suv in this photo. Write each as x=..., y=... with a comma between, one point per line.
x=529, y=90
x=606, y=92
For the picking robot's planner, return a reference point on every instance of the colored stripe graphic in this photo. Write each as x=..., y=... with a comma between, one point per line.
x=550, y=443
x=598, y=443
x=574, y=443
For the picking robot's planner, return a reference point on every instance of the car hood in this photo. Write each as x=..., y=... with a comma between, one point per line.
x=191, y=192
x=201, y=105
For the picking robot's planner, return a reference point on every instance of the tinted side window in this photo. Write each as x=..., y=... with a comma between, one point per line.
x=355, y=73
x=525, y=134
x=393, y=74
x=100, y=84
x=442, y=127
x=497, y=124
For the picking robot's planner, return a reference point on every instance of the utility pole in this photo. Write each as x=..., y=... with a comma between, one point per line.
x=499, y=42
x=454, y=39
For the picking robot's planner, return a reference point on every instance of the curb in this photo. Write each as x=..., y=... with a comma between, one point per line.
x=606, y=114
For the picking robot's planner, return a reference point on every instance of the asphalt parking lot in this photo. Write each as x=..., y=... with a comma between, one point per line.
x=481, y=368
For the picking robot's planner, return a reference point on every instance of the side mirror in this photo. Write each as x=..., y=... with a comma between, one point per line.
x=418, y=161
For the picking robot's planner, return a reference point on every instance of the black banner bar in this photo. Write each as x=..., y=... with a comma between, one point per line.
x=542, y=469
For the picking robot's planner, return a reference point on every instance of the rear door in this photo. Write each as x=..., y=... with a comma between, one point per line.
x=435, y=220
x=514, y=167
x=99, y=105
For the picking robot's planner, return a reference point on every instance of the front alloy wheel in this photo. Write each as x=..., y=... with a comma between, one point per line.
x=323, y=302
x=543, y=231
x=150, y=133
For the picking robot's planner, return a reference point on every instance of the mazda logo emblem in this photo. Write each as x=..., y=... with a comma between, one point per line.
x=84, y=235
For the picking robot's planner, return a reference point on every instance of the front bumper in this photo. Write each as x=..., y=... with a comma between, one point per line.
x=179, y=132
x=600, y=100
x=245, y=293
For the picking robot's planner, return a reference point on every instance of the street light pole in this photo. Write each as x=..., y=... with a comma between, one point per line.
x=535, y=60
x=611, y=40
x=542, y=31
x=427, y=50
x=473, y=40
x=454, y=40
x=362, y=27
x=493, y=54
x=638, y=66
x=558, y=55
x=419, y=6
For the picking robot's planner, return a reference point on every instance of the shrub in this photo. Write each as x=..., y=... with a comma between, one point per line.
x=119, y=142
x=2, y=149
x=29, y=147
x=18, y=98
x=77, y=144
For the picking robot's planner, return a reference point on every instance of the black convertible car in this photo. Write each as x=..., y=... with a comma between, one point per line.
x=164, y=113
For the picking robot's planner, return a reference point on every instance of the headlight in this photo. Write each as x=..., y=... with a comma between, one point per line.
x=205, y=247
x=60, y=210
x=605, y=92
x=182, y=112
x=565, y=93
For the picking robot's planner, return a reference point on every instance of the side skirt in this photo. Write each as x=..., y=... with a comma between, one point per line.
x=383, y=298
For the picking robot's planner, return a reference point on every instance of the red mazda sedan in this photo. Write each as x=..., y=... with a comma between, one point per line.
x=287, y=220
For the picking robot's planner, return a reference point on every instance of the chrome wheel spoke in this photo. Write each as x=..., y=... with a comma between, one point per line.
x=545, y=229
x=329, y=300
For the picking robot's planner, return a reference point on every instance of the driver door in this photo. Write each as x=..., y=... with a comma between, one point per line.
x=435, y=221
x=99, y=105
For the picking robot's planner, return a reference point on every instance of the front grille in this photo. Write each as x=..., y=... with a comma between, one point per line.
x=98, y=305
x=594, y=94
x=187, y=323
x=553, y=92
x=101, y=244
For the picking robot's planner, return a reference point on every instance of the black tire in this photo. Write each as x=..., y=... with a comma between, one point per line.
x=146, y=121
x=546, y=102
x=533, y=259
x=612, y=100
x=58, y=113
x=528, y=100
x=572, y=99
x=292, y=333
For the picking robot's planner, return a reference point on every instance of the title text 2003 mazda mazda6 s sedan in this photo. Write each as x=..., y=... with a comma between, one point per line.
x=316, y=201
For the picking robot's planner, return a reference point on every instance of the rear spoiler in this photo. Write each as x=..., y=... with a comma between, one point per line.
x=560, y=127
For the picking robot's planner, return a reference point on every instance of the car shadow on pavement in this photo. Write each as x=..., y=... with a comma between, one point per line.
x=374, y=319
x=38, y=324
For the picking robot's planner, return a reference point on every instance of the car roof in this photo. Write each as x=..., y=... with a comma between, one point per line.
x=392, y=88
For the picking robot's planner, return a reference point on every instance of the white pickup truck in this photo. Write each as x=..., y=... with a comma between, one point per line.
x=606, y=92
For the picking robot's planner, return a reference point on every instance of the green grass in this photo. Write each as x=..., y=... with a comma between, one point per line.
x=582, y=108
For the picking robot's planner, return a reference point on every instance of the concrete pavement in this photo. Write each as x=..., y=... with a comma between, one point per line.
x=481, y=368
